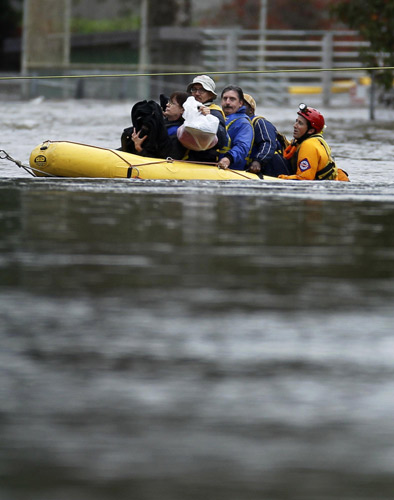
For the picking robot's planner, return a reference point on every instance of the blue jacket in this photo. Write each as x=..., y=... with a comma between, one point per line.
x=265, y=140
x=240, y=130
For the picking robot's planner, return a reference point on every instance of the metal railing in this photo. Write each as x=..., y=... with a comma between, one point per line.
x=242, y=50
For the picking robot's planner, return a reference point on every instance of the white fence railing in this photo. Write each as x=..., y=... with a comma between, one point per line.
x=232, y=50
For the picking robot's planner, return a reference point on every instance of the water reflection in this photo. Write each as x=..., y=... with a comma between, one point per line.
x=166, y=344
x=63, y=242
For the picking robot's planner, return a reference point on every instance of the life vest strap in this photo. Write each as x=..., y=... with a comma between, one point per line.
x=327, y=172
x=330, y=171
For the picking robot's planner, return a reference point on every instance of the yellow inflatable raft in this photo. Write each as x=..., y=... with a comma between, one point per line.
x=70, y=159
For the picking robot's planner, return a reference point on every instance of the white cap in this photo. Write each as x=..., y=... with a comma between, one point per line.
x=206, y=81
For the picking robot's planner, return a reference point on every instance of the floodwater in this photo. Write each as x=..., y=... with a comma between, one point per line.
x=194, y=340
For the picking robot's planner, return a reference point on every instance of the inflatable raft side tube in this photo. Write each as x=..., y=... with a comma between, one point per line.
x=70, y=159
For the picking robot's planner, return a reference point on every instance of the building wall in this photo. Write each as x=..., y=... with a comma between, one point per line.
x=99, y=9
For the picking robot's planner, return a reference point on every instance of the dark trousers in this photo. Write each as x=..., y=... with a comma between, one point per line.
x=277, y=166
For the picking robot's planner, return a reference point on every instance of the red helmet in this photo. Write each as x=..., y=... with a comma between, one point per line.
x=313, y=117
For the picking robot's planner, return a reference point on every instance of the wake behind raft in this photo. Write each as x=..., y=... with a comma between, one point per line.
x=71, y=159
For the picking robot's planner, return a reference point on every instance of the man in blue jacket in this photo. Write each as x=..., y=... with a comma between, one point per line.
x=239, y=128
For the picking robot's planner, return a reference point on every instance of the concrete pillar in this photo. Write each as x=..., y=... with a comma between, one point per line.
x=46, y=36
x=327, y=62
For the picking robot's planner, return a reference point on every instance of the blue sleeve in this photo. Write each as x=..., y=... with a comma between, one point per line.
x=264, y=141
x=241, y=133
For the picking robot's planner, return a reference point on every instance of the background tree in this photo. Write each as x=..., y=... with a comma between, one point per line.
x=282, y=14
x=374, y=20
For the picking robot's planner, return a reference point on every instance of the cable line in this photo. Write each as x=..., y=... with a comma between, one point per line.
x=240, y=72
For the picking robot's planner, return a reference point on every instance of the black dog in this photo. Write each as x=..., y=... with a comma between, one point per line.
x=148, y=120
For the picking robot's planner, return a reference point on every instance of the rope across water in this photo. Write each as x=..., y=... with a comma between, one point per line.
x=241, y=72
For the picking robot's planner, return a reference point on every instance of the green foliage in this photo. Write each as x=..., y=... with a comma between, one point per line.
x=88, y=26
x=374, y=19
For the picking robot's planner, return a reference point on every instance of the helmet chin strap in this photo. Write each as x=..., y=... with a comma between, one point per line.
x=306, y=135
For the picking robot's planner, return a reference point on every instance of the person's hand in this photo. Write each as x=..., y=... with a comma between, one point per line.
x=255, y=167
x=224, y=163
x=204, y=110
x=138, y=141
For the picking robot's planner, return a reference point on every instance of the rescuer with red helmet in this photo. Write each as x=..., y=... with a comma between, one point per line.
x=308, y=153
